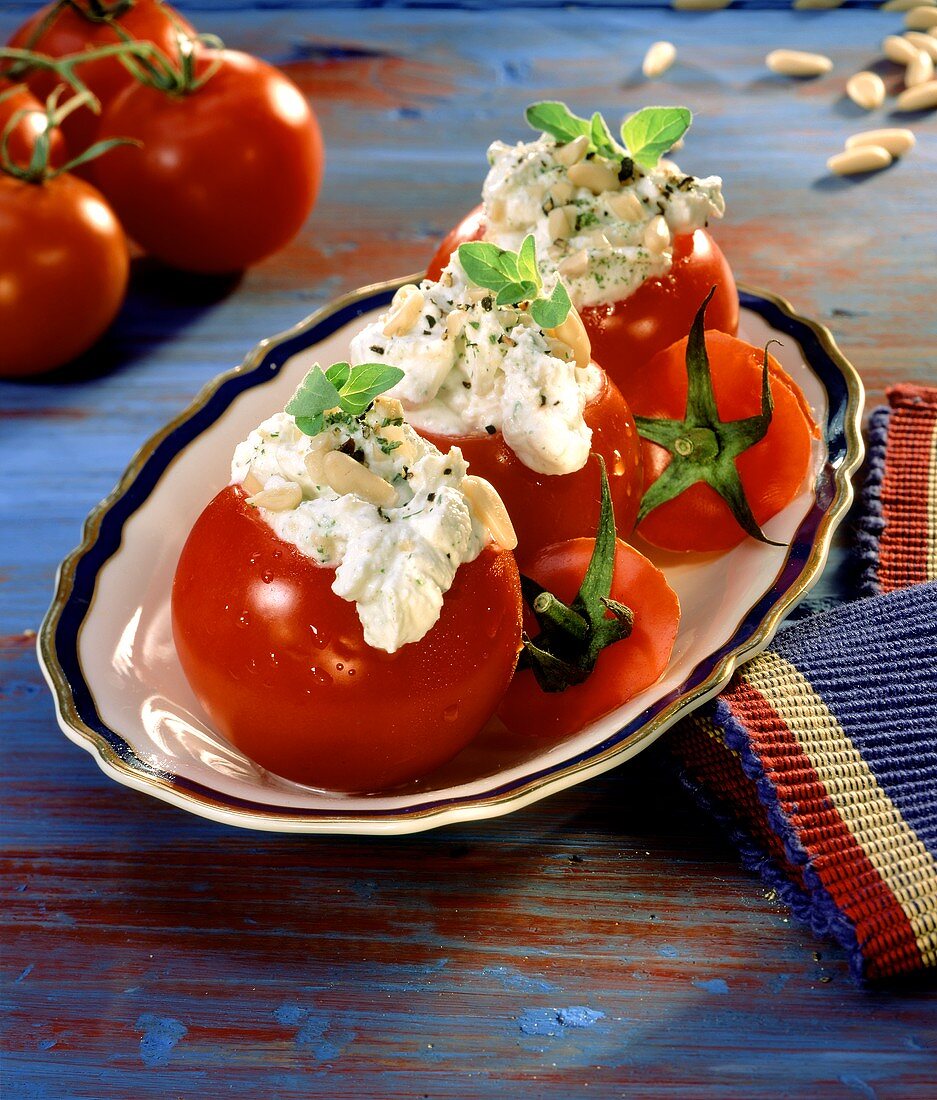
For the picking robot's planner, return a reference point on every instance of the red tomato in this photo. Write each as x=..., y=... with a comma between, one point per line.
x=71, y=31
x=21, y=140
x=627, y=334
x=549, y=508
x=63, y=271
x=280, y=664
x=225, y=175
x=772, y=471
x=623, y=669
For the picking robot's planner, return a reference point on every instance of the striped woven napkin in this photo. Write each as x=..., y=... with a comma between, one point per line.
x=821, y=755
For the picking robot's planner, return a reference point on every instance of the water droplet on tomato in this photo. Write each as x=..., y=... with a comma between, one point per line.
x=618, y=466
x=451, y=712
x=339, y=666
x=244, y=619
x=266, y=576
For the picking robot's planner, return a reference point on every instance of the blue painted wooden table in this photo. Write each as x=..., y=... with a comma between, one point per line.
x=602, y=943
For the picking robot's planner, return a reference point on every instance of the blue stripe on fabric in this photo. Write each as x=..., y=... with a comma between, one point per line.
x=874, y=663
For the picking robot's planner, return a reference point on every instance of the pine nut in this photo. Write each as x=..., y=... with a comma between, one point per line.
x=406, y=306
x=658, y=59
x=657, y=235
x=862, y=158
x=922, y=97
x=455, y=322
x=406, y=452
x=561, y=192
x=921, y=41
x=866, y=90
x=558, y=224
x=572, y=152
x=572, y=333
x=594, y=175
x=489, y=509
x=899, y=5
x=283, y=498
x=920, y=70
x=626, y=206
x=252, y=484
x=347, y=476
x=921, y=18
x=598, y=240
x=577, y=264
x=700, y=5
x=816, y=5
x=898, y=49
x=798, y=63
x=896, y=141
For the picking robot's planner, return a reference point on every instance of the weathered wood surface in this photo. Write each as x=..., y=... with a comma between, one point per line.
x=148, y=953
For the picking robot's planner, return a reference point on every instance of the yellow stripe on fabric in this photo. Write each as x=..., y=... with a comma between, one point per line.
x=931, y=566
x=890, y=844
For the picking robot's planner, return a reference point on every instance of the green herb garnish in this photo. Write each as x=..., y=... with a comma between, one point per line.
x=647, y=135
x=514, y=278
x=702, y=447
x=351, y=390
x=573, y=635
x=654, y=131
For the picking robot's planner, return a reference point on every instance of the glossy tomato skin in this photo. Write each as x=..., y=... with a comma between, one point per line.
x=627, y=334
x=73, y=31
x=548, y=508
x=280, y=664
x=224, y=176
x=623, y=669
x=63, y=268
x=772, y=471
x=21, y=140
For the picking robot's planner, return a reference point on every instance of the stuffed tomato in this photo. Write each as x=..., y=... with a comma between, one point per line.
x=495, y=360
x=348, y=609
x=625, y=229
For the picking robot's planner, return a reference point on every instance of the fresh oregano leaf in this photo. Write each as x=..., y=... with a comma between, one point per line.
x=653, y=131
x=527, y=268
x=350, y=389
x=557, y=120
x=485, y=265
x=601, y=138
x=552, y=312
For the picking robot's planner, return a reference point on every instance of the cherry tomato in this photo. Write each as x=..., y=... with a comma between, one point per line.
x=74, y=29
x=280, y=664
x=772, y=471
x=21, y=139
x=623, y=669
x=627, y=334
x=63, y=271
x=224, y=175
x=549, y=508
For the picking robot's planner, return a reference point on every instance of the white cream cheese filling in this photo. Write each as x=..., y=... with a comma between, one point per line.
x=395, y=561
x=471, y=367
x=604, y=235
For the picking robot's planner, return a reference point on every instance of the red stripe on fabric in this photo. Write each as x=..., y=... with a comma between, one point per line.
x=906, y=483
x=883, y=932
x=709, y=761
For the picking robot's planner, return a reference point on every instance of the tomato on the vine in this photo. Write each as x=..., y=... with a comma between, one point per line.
x=225, y=173
x=627, y=334
x=60, y=29
x=280, y=664
x=63, y=271
x=721, y=463
x=17, y=99
x=546, y=508
x=623, y=668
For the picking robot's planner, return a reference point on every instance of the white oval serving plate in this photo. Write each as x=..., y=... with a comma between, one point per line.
x=106, y=647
